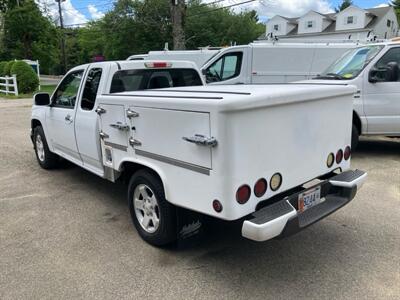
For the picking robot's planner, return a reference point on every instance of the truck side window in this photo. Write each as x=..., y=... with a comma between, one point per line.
x=227, y=67
x=91, y=88
x=67, y=91
x=393, y=55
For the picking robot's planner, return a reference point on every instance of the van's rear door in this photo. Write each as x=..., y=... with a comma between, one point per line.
x=161, y=132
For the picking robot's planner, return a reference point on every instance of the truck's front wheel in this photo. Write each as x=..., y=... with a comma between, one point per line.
x=153, y=217
x=45, y=158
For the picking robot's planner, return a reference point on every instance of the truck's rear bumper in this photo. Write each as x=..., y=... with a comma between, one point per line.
x=283, y=218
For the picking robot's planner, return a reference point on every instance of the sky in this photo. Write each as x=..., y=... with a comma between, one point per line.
x=82, y=11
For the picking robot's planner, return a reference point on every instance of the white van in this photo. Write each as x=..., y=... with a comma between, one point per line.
x=374, y=70
x=272, y=62
x=199, y=57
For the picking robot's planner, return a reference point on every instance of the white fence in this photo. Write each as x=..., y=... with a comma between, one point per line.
x=8, y=85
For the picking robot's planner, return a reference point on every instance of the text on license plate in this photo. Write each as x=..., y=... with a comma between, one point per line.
x=309, y=199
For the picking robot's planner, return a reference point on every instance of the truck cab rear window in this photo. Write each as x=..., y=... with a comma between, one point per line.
x=136, y=80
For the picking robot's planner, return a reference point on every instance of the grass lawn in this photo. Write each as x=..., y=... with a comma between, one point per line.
x=43, y=89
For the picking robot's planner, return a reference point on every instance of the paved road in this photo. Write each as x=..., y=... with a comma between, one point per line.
x=49, y=80
x=66, y=234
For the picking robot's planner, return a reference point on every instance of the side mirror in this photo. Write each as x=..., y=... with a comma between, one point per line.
x=204, y=72
x=388, y=74
x=41, y=99
x=392, y=72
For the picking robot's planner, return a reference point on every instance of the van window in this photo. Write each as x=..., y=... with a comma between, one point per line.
x=227, y=67
x=393, y=55
x=91, y=88
x=143, y=79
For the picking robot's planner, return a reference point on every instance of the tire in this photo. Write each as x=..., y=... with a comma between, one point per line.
x=147, y=205
x=46, y=159
x=355, y=136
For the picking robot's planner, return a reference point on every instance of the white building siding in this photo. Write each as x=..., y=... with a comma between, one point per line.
x=310, y=23
x=357, y=15
x=279, y=26
x=382, y=30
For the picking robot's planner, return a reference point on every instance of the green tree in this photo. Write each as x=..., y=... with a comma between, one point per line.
x=396, y=5
x=30, y=35
x=138, y=26
x=345, y=4
x=212, y=25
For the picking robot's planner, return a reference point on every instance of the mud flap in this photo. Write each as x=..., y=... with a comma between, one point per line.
x=190, y=227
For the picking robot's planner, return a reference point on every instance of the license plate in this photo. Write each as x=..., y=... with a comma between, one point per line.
x=309, y=199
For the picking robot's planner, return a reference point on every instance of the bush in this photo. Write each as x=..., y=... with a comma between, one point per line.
x=27, y=79
x=2, y=65
x=7, y=68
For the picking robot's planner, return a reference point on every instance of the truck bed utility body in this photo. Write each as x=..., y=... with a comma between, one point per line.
x=271, y=154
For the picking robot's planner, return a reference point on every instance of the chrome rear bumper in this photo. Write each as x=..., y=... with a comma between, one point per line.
x=283, y=219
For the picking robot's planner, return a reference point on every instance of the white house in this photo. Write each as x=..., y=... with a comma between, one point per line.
x=351, y=23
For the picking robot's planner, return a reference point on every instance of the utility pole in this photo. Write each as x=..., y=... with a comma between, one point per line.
x=178, y=12
x=64, y=60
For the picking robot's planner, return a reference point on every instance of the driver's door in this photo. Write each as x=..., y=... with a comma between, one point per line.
x=381, y=99
x=61, y=117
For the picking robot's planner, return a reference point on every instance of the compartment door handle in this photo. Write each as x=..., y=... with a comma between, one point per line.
x=201, y=140
x=120, y=126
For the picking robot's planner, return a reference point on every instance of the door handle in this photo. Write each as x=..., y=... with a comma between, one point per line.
x=68, y=118
x=201, y=140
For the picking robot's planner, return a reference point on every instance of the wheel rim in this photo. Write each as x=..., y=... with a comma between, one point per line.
x=146, y=208
x=39, y=148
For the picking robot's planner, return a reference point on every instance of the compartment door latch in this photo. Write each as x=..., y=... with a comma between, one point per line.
x=201, y=140
x=120, y=126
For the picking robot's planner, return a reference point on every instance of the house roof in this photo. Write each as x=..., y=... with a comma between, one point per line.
x=376, y=13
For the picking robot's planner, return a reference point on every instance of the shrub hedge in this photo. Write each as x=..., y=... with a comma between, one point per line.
x=7, y=68
x=2, y=65
x=27, y=79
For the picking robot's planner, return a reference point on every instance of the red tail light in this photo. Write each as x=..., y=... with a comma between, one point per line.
x=347, y=153
x=339, y=156
x=217, y=206
x=243, y=194
x=260, y=187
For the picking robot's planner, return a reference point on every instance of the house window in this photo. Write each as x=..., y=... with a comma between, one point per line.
x=276, y=27
x=309, y=24
x=389, y=23
x=350, y=20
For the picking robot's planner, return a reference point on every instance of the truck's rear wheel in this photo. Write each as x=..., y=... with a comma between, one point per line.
x=355, y=136
x=153, y=217
x=46, y=159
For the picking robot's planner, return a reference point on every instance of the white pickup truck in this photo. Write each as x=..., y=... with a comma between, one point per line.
x=374, y=70
x=277, y=157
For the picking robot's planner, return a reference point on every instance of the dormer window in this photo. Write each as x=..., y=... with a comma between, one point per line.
x=276, y=27
x=309, y=24
x=350, y=20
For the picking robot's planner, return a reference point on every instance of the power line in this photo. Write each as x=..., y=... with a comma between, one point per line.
x=222, y=7
x=205, y=12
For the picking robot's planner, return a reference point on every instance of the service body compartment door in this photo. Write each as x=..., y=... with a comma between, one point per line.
x=161, y=132
x=114, y=126
x=114, y=133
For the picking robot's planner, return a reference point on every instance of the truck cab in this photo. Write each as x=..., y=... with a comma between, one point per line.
x=374, y=70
